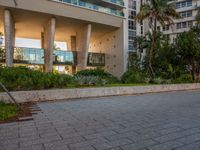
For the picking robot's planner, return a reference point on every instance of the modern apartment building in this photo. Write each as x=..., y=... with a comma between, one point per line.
x=96, y=32
x=188, y=10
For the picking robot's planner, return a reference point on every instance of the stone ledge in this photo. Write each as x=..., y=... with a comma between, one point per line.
x=64, y=94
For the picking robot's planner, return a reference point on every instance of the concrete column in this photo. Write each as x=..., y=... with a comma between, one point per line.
x=42, y=40
x=73, y=48
x=49, y=35
x=82, y=46
x=73, y=43
x=9, y=31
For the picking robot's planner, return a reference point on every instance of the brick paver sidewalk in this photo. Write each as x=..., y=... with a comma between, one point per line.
x=165, y=121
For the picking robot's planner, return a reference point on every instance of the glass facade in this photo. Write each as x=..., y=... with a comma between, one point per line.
x=35, y=56
x=65, y=57
x=182, y=4
x=96, y=59
x=96, y=7
x=2, y=54
x=131, y=25
x=29, y=56
x=117, y=2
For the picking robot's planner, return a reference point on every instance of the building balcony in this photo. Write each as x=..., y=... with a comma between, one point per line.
x=113, y=7
x=35, y=56
x=66, y=10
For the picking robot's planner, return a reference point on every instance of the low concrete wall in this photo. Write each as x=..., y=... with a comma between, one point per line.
x=64, y=94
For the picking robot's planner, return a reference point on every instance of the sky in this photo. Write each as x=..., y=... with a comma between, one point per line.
x=32, y=43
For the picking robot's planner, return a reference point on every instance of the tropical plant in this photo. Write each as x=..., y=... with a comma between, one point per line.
x=134, y=76
x=157, y=11
x=89, y=80
x=187, y=45
x=134, y=62
x=99, y=73
x=141, y=44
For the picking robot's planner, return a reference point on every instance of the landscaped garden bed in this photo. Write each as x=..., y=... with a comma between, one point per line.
x=25, y=79
x=10, y=112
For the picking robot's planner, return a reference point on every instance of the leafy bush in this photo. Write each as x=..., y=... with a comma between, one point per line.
x=184, y=78
x=131, y=77
x=89, y=80
x=160, y=80
x=21, y=78
x=104, y=77
x=7, y=111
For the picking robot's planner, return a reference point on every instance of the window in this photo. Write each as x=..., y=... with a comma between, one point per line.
x=131, y=35
x=186, y=24
x=185, y=14
x=96, y=59
x=189, y=3
x=132, y=4
x=183, y=4
x=142, y=30
x=178, y=5
x=132, y=14
x=166, y=28
x=158, y=28
x=178, y=26
x=190, y=23
x=132, y=25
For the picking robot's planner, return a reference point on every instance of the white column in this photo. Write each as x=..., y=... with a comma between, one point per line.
x=9, y=32
x=82, y=46
x=49, y=35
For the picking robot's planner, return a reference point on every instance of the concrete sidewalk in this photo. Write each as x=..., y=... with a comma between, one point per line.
x=165, y=121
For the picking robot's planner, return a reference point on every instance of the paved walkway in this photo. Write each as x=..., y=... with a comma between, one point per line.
x=166, y=121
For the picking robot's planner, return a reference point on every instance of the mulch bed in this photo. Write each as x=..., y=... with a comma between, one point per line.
x=28, y=109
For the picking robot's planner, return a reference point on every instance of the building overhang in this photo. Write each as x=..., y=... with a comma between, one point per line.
x=64, y=10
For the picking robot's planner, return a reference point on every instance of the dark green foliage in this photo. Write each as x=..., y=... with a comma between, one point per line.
x=184, y=78
x=99, y=75
x=131, y=77
x=134, y=62
x=7, y=111
x=21, y=78
x=174, y=62
x=187, y=46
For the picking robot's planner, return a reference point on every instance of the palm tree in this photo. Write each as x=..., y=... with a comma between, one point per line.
x=157, y=11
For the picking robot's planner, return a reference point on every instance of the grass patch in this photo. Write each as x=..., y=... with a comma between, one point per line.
x=7, y=111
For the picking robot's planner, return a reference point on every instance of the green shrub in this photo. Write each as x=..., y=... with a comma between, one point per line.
x=7, y=111
x=89, y=80
x=21, y=78
x=131, y=77
x=104, y=77
x=183, y=78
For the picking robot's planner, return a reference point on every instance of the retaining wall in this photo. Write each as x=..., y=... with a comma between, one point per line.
x=64, y=94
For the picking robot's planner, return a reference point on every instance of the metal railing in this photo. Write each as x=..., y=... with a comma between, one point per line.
x=35, y=56
x=95, y=7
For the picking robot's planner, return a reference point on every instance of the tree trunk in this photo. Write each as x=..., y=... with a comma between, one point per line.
x=154, y=30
